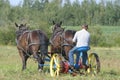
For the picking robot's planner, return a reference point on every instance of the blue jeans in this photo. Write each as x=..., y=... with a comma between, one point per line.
x=78, y=51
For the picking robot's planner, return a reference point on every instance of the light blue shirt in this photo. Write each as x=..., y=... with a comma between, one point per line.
x=82, y=38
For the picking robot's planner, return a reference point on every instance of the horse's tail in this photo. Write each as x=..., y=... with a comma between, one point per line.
x=44, y=41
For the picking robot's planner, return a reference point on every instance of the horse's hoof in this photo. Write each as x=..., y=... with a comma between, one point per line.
x=40, y=70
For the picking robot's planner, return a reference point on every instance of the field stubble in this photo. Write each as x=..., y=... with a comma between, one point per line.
x=10, y=66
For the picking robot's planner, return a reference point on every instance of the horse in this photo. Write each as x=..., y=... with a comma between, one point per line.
x=61, y=40
x=31, y=42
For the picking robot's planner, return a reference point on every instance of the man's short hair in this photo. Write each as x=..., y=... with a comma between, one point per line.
x=85, y=25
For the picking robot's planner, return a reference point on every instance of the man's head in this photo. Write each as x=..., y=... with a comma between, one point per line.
x=85, y=26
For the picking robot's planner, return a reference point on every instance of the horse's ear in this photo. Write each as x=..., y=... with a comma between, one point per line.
x=60, y=22
x=16, y=24
x=53, y=22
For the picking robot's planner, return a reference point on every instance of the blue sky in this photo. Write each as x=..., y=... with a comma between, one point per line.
x=16, y=2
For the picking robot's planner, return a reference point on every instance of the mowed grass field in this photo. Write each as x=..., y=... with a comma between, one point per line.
x=10, y=66
x=106, y=30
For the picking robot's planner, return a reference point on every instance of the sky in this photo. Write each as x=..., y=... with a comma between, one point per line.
x=16, y=2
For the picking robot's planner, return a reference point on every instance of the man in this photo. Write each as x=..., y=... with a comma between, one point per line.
x=82, y=39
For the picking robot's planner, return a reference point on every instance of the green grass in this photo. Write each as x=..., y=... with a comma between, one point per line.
x=10, y=66
x=104, y=29
x=110, y=29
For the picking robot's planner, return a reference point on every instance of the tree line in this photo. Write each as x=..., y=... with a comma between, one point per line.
x=41, y=13
x=106, y=12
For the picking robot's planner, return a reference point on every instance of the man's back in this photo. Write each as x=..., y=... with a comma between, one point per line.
x=82, y=37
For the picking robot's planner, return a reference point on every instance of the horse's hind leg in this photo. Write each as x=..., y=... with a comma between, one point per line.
x=67, y=49
x=24, y=59
x=41, y=62
x=40, y=58
x=37, y=57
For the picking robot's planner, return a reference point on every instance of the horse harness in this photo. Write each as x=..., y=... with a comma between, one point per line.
x=64, y=41
x=29, y=44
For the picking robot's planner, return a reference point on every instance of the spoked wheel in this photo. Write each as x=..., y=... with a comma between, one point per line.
x=94, y=64
x=55, y=65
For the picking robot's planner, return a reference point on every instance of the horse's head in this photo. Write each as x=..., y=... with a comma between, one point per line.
x=55, y=39
x=56, y=26
x=20, y=29
x=21, y=26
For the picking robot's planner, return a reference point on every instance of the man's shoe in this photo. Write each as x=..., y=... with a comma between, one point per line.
x=74, y=74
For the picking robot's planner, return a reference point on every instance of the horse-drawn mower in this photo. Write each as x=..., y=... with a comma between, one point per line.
x=61, y=43
x=58, y=65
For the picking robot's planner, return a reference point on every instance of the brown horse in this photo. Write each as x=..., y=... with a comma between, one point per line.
x=61, y=40
x=31, y=42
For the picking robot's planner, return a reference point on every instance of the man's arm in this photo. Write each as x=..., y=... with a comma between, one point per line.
x=74, y=40
x=75, y=37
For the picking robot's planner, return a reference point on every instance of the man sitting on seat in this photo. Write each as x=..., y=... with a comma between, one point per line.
x=82, y=39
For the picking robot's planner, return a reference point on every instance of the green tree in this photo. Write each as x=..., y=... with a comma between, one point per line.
x=4, y=12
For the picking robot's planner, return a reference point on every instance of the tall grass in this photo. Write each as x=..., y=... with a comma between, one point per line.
x=10, y=66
